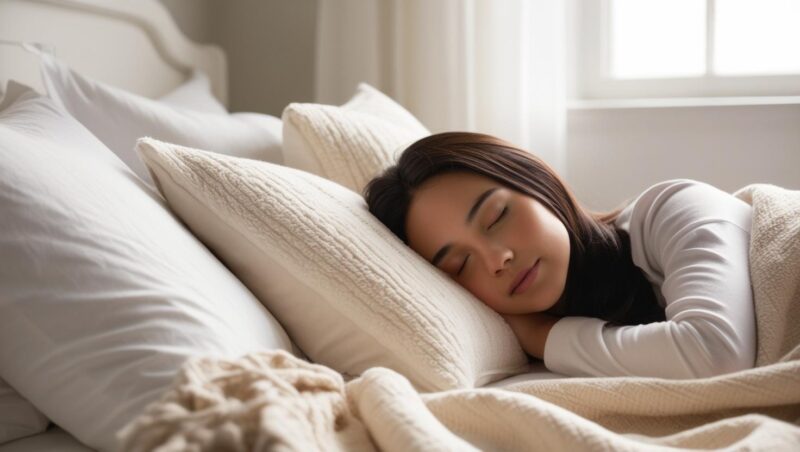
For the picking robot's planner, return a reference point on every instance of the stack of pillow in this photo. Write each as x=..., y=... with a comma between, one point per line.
x=110, y=286
x=189, y=115
x=105, y=292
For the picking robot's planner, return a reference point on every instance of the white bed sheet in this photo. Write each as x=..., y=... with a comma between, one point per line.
x=535, y=371
x=53, y=439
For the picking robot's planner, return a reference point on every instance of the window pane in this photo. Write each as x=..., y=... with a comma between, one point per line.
x=757, y=37
x=657, y=38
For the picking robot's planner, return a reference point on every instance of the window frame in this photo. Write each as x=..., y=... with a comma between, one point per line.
x=593, y=72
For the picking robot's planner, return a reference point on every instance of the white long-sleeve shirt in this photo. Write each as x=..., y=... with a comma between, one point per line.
x=691, y=240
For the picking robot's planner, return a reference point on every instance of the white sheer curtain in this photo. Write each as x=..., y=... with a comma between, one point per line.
x=491, y=66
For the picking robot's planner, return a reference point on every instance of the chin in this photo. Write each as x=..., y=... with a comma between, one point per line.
x=556, y=308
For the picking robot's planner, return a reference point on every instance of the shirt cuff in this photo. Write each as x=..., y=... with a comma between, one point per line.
x=564, y=352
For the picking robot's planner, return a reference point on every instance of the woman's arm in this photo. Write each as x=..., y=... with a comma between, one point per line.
x=532, y=330
x=692, y=240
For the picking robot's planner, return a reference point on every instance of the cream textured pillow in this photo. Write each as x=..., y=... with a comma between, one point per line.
x=350, y=294
x=350, y=144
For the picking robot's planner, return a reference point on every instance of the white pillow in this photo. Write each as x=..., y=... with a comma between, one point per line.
x=105, y=293
x=18, y=418
x=118, y=118
x=349, y=293
x=350, y=144
x=195, y=94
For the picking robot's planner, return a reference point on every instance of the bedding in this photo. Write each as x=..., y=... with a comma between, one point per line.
x=105, y=292
x=350, y=294
x=54, y=439
x=18, y=417
x=194, y=94
x=118, y=118
x=348, y=144
x=752, y=409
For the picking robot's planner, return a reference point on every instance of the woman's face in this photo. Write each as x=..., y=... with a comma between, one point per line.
x=487, y=237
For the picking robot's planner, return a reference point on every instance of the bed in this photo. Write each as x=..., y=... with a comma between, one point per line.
x=139, y=37
x=444, y=375
x=134, y=46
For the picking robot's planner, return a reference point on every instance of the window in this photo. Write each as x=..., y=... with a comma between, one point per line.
x=687, y=48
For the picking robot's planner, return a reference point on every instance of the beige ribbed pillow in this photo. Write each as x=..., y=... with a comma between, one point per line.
x=348, y=144
x=350, y=293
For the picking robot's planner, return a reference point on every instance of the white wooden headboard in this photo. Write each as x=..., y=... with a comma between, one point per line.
x=131, y=44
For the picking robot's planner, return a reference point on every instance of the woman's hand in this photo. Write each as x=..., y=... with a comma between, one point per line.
x=531, y=330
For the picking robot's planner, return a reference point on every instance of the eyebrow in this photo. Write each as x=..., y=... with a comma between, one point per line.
x=478, y=202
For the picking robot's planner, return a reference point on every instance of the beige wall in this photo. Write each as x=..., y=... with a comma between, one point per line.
x=614, y=154
x=192, y=17
x=269, y=45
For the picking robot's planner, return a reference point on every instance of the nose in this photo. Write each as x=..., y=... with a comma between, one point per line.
x=497, y=258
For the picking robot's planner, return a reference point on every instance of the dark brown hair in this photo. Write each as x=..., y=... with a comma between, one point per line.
x=602, y=281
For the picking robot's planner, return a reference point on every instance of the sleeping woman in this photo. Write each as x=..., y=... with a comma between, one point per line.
x=660, y=287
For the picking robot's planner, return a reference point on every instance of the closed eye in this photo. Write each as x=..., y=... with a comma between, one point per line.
x=463, y=265
x=499, y=217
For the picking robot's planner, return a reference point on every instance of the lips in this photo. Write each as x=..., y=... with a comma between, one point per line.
x=521, y=277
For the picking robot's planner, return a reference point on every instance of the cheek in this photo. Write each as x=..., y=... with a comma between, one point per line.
x=550, y=232
x=560, y=238
x=484, y=291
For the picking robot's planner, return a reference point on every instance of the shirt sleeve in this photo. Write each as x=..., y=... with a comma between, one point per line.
x=693, y=240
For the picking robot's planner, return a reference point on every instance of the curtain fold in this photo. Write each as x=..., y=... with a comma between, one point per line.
x=486, y=66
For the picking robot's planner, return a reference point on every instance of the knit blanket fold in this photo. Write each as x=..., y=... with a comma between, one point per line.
x=271, y=400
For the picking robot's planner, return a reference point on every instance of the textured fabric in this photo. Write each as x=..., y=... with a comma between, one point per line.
x=105, y=293
x=349, y=293
x=118, y=117
x=774, y=266
x=691, y=241
x=753, y=409
x=265, y=401
x=352, y=143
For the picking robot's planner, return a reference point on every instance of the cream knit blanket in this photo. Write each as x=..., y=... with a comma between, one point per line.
x=274, y=401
